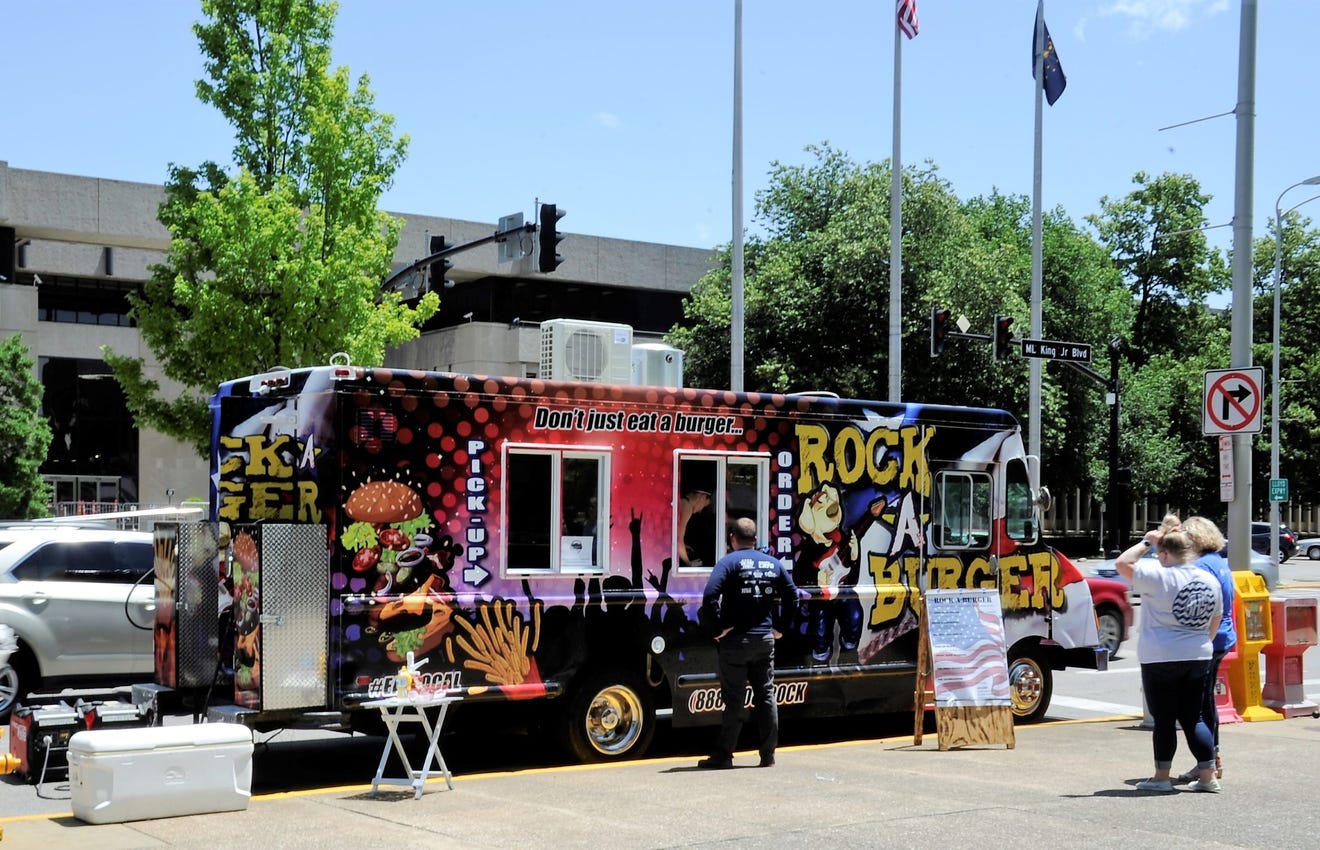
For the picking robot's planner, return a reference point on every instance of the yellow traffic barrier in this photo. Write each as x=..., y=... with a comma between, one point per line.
x=1253, y=621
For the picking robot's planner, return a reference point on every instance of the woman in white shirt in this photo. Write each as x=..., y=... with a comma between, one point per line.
x=1181, y=606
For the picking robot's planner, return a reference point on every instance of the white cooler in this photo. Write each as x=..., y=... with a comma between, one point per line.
x=160, y=771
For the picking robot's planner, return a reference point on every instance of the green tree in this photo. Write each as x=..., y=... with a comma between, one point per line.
x=1299, y=358
x=24, y=433
x=817, y=294
x=281, y=262
x=1155, y=238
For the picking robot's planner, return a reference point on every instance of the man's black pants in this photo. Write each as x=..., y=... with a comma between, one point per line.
x=744, y=660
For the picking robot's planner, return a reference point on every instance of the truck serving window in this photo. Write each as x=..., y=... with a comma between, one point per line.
x=961, y=515
x=556, y=504
x=723, y=487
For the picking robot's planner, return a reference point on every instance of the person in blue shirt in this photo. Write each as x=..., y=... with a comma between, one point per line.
x=1207, y=541
x=748, y=600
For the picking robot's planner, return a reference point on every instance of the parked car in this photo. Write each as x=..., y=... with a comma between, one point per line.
x=1261, y=565
x=1113, y=611
x=81, y=602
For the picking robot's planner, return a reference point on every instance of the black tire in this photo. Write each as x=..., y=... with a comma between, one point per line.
x=1313, y=553
x=1109, y=625
x=17, y=679
x=609, y=716
x=1030, y=685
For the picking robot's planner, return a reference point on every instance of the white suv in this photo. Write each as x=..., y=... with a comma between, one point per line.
x=81, y=602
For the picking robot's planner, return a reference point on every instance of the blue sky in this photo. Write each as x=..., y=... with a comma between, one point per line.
x=621, y=112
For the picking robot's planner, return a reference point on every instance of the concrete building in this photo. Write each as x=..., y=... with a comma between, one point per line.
x=71, y=247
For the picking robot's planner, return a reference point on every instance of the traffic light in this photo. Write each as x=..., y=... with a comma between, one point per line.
x=939, y=330
x=440, y=267
x=547, y=260
x=1003, y=336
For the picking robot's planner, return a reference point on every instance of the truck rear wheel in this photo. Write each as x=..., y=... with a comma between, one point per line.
x=609, y=717
x=1030, y=685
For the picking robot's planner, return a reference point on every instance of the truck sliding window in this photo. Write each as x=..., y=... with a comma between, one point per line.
x=736, y=486
x=556, y=504
x=961, y=511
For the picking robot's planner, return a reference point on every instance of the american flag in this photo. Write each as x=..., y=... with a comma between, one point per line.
x=907, y=17
x=967, y=645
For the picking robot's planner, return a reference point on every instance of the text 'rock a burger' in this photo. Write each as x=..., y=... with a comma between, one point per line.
x=386, y=534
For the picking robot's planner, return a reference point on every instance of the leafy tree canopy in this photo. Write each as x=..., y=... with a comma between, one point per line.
x=280, y=262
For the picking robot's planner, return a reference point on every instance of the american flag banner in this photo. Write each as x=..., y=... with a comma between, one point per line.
x=966, y=630
x=907, y=17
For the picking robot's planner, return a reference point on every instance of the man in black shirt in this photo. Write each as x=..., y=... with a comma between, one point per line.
x=748, y=600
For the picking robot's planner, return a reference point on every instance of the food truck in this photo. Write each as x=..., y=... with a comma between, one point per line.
x=523, y=541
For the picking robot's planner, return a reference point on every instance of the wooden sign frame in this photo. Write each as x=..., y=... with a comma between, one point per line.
x=955, y=726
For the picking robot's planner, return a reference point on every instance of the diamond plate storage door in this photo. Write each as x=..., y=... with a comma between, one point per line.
x=198, y=604
x=295, y=616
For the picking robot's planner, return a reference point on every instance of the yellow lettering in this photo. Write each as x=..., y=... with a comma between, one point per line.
x=267, y=502
x=812, y=443
x=1045, y=572
x=890, y=593
x=234, y=462
x=945, y=572
x=881, y=474
x=1015, y=592
x=980, y=575
x=849, y=455
x=264, y=457
x=307, y=510
x=916, y=471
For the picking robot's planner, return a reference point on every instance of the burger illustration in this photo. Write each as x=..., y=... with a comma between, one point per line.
x=387, y=527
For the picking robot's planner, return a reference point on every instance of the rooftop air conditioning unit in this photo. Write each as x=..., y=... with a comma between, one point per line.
x=594, y=352
x=655, y=364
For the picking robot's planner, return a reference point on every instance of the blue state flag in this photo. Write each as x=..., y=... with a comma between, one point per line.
x=1055, y=81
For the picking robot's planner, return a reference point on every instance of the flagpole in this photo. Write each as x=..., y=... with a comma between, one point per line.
x=1033, y=396
x=736, y=262
x=896, y=231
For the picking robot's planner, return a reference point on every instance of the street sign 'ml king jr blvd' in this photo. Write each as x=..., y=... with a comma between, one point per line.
x=1048, y=349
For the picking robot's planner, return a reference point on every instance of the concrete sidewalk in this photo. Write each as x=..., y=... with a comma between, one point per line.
x=1065, y=784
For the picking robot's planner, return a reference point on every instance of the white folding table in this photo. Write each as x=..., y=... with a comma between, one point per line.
x=412, y=709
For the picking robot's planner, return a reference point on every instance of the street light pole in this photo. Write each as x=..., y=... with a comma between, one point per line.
x=1274, y=376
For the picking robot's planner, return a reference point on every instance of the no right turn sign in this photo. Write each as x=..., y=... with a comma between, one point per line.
x=1232, y=401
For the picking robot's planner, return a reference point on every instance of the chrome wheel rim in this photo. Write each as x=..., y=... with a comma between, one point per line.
x=1025, y=685
x=614, y=720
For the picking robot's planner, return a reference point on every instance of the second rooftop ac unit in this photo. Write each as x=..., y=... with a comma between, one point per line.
x=594, y=352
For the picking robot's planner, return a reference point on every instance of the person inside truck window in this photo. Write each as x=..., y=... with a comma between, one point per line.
x=696, y=516
x=693, y=528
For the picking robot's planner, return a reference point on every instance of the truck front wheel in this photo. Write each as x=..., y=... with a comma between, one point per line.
x=609, y=717
x=1030, y=685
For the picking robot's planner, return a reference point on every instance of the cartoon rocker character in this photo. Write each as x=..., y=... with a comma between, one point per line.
x=832, y=552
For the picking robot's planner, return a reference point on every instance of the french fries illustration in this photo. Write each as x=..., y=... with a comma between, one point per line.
x=499, y=644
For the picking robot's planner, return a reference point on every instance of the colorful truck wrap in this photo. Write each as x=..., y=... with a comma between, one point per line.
x=522, y=539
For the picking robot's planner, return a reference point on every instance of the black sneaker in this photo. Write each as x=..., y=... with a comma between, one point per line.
x=715, y=763
x=767, y=761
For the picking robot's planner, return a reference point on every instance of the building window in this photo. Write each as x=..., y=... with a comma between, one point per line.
x=726, y=487
x=556, y=505
x=85, y=301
